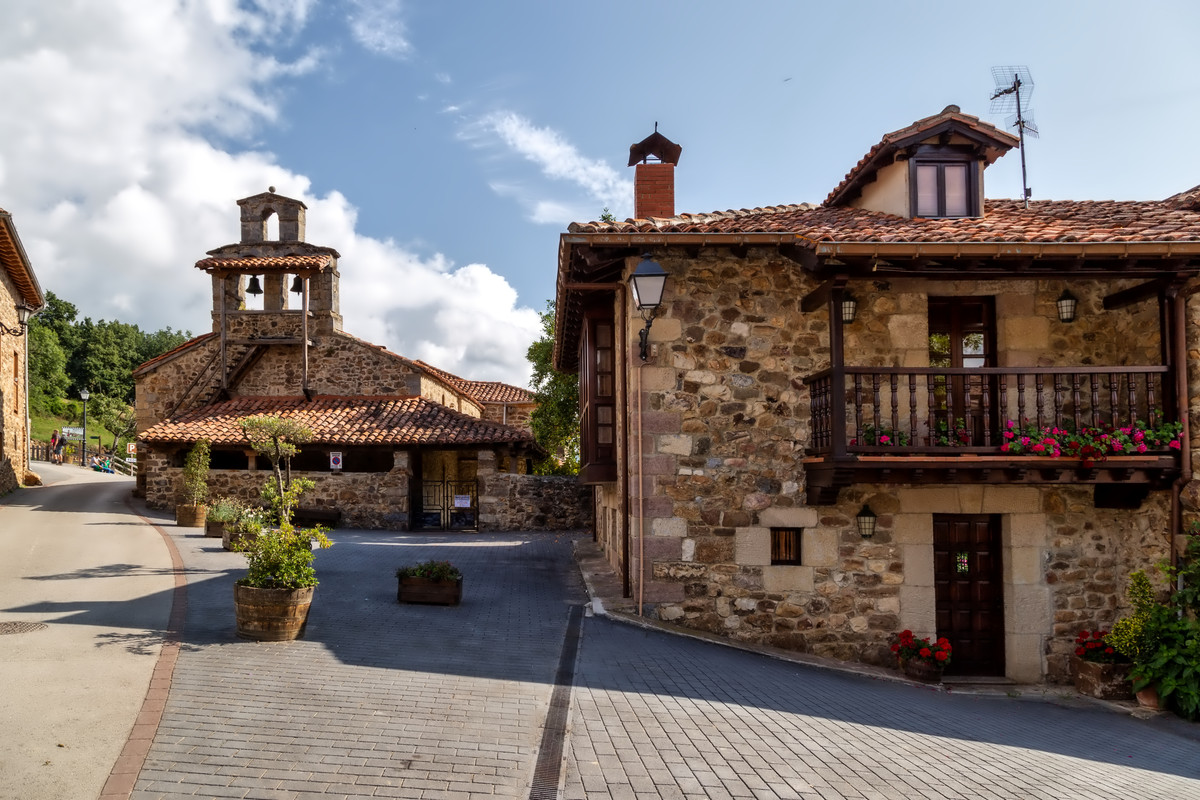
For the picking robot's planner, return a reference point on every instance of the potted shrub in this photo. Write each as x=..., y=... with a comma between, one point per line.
x=249, y=523
x=1098, y=669
x=436, y=582
x=223, y=512
x=191, y=512
x=272, y=602
x=921, y=659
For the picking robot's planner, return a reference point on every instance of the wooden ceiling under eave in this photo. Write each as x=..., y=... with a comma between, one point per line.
x=16, y=264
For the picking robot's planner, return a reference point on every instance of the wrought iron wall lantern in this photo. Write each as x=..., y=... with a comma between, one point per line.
x=849, y=308
x=866, y=522
x=24, y=312
x=647, y=283
x=1066, y=303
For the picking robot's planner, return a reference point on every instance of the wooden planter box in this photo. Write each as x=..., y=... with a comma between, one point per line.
x=214, y=529
x=230, y=538
x=427, y=590
x=1104, y=681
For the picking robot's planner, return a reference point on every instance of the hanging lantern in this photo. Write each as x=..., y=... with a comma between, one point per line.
x=1066, y=303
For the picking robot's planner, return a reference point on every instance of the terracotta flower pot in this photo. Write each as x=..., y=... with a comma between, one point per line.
x=1148, y=697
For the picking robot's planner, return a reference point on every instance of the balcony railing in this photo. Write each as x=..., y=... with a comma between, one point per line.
x=925, y=411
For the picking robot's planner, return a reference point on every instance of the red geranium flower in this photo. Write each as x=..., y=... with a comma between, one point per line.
x=941, y=655
x=925, y=652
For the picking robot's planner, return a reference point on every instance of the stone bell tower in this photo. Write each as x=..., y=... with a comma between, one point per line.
x=296, y=281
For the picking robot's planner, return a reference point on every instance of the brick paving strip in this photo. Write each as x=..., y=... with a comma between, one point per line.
x=120, y=782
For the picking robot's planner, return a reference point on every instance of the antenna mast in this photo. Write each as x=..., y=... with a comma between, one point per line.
x=1009, y=82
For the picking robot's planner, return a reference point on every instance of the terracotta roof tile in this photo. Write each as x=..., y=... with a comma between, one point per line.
x=482, y=391
x=384, y=421
x=949, y=116
x=1003, y=221
x=291, y=263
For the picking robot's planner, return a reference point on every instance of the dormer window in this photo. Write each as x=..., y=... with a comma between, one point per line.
x=943, y=184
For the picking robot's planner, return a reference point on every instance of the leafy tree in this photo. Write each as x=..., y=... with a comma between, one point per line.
x=277, y=439
x=555, y=422
x=115, y=415
x=48, y=379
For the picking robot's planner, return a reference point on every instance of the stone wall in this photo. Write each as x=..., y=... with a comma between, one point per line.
x=512, y=502
x=366, y=499
x=724, y=426
x=14, y=441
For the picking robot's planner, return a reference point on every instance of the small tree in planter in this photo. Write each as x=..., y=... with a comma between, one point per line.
x=191, y=512
x=273, y=600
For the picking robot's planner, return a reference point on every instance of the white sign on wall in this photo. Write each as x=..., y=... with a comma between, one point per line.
x=335, y=460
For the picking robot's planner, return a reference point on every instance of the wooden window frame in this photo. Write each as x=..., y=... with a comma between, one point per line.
x=598, y=396
x=787, y=547
x=941, y=157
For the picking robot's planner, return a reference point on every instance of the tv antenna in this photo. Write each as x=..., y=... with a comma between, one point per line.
x=1010, y=82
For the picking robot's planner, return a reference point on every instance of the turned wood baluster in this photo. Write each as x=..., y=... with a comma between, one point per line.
x=1076, y=396
x=1131, y=393
x=986, y=385
x=875, y=403
x=912, y=408
x=1151, y=411
x=894, y=378
x=1094, y=380
x=858, y=403
x=1114, y=387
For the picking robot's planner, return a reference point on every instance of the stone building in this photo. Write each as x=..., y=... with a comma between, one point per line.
x=20, y=297
x=812, y=448
x=397, y=444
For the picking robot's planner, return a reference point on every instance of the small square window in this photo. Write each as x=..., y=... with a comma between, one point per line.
x=786, y=546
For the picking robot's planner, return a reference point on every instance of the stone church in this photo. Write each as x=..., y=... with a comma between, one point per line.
x=397, y=444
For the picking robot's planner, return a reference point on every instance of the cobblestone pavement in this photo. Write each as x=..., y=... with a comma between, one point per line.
x=656, y=715
x=379, y=699
x=388, y=700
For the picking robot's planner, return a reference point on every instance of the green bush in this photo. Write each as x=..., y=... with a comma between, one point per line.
x=281, y=558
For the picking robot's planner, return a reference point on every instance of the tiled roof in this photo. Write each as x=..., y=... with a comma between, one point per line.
x=293, y=263
x=147, y=365
x=482, y=391
x=1045, y=221
x=385, y=421
x=15, y=264
x=950, y=118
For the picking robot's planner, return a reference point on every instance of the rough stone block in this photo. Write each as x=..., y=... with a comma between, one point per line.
x=1007, y=499
x=670, y=526
x=776, y=517
x=820, y=547
x=786, y=579
x=918, y=609
x=675, y=444
x=1023, y=566
x=1024, y=655
x=912, y=529
x=1026, y=530
x=752, y=546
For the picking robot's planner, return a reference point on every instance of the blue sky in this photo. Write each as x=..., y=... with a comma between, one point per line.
x=442, y=147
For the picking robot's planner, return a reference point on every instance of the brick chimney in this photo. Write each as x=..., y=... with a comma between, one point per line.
x=654, y=181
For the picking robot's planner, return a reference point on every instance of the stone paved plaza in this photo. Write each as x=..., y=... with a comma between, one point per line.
x=388, y=700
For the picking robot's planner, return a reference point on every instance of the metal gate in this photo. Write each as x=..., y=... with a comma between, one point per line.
x=449, y=506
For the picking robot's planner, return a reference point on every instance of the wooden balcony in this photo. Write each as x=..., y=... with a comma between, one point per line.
x=936, y=425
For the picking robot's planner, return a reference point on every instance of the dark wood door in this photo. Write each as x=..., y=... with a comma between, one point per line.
x=969, y=586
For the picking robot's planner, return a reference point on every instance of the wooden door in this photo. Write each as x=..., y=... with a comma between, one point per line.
x=962, y=336
x=969, y=587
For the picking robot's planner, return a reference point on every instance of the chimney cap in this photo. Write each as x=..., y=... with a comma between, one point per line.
x=655, y=145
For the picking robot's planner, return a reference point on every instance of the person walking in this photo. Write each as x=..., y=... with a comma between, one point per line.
x=55, y=448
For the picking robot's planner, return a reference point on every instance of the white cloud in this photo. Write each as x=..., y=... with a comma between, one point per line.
x=377, y=26
x=558, y=160
x=117, y=189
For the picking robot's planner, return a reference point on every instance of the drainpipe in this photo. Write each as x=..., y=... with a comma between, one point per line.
x=623, y=453
x=641, y=490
